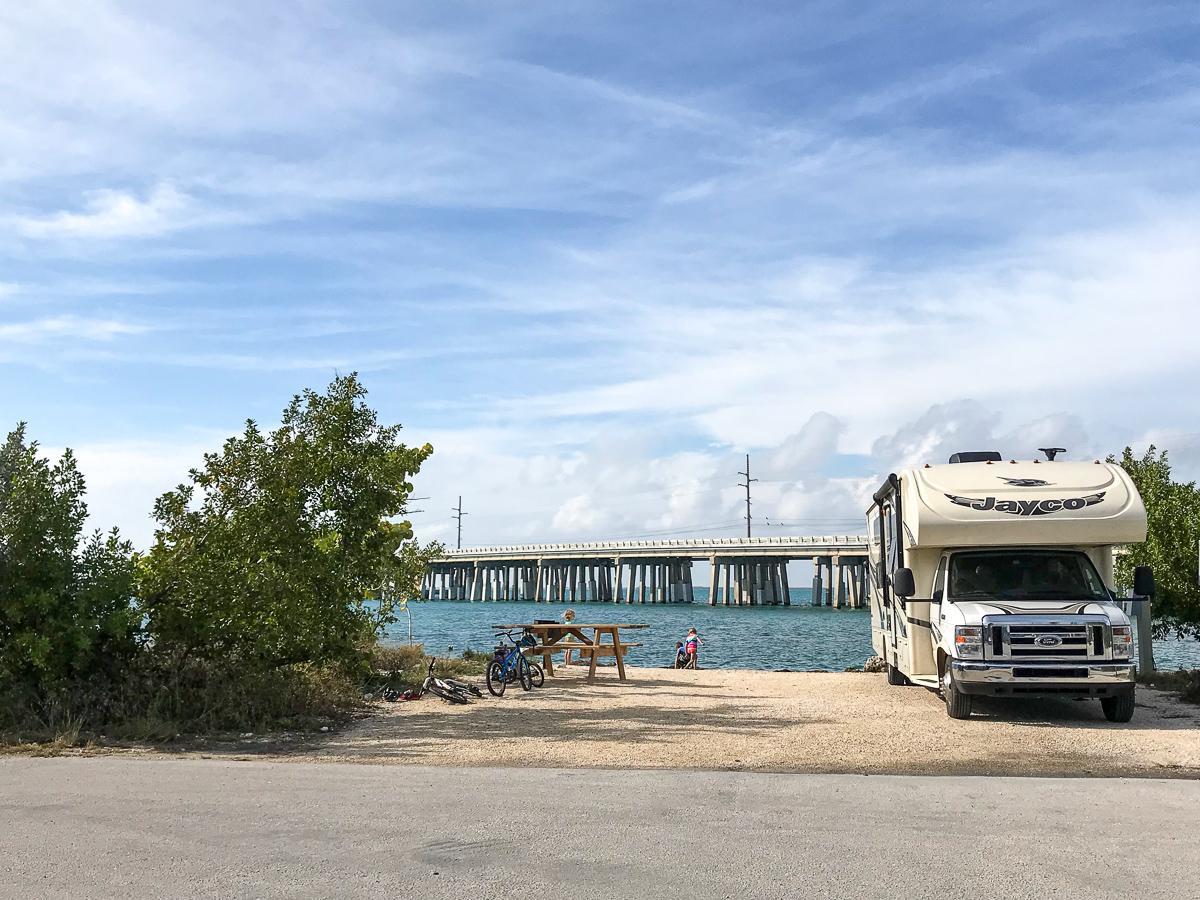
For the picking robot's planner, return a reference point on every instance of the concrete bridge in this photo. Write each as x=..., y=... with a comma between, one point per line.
x=743, y=571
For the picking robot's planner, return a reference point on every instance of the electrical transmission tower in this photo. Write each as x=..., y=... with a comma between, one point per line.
x=458, y=515
x=746, y=484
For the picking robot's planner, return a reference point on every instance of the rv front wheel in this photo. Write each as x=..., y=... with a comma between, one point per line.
x=1118, y=708
x=958, y=704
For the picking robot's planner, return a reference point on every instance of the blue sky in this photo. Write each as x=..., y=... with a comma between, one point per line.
x=595, y=251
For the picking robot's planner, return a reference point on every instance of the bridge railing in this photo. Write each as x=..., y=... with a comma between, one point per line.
x=682, y=543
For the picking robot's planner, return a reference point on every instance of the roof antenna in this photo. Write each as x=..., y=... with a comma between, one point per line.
x=1052, y=452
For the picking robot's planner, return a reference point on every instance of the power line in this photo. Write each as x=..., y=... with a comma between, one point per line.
x=458, y=517
x=746, y=485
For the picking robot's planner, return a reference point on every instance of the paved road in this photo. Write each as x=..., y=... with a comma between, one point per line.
x=113, y=827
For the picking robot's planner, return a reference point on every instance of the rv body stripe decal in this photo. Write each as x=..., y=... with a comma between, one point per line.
x=1021, y=611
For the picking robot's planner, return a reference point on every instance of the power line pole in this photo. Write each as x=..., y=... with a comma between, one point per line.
x=458, y=514
x=749, y=481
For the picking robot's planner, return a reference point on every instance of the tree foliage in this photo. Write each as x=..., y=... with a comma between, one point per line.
x=271, y=553
x=1173, y=533
x=66, y=604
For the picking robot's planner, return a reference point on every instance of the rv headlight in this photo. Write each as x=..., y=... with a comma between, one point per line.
x=1122, y=643
x=968, y=641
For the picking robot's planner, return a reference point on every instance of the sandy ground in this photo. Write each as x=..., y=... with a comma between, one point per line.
x=773, y=722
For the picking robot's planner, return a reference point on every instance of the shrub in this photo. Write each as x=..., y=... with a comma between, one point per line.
x=66, y=611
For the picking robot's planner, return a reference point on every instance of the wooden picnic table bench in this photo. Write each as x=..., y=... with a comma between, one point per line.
x=555, y=636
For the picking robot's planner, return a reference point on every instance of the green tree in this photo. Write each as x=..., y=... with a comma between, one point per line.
x=66, y=610
x=270, y=554
x=1173, y=533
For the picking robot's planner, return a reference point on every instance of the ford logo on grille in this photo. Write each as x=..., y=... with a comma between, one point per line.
x=1049, y=640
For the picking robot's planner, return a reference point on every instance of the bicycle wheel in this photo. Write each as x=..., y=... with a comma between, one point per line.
x=448, y=696
x=495, y=679
x=463, y=687
x=526, y=673
x=537, y=675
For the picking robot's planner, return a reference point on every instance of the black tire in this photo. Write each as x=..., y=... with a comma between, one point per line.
x=1118, y=708
x=448, y=696
x=526, y=674
x=895, y=676
x=537, y=676
x=495, y=679
x=958, y=704
x=463, y=688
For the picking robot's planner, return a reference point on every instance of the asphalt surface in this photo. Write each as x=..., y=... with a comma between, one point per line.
x=113, y=827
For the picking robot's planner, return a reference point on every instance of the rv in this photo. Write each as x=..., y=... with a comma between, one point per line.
x=995, y=578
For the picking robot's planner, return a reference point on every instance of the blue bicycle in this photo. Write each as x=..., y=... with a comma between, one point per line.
x=509, y=664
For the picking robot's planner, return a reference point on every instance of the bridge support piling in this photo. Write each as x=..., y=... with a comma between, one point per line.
x=817, y=592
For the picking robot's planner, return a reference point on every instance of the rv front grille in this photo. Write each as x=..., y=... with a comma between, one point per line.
x=1033, y=641
x=1047, y=640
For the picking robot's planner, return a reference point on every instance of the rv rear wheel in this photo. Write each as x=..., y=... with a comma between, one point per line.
x=958, y=704
x=895, y=676
x=1118, y=708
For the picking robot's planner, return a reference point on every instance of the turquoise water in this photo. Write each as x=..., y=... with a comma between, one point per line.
x=798, y=637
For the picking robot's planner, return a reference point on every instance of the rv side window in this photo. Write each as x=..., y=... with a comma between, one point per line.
x=939, y=582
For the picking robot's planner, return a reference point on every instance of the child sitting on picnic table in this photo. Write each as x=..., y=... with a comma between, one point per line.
x=568, y=617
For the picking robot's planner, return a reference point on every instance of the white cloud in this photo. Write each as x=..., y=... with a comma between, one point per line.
x=113, y=214
x=67, y=329
x=124, y=478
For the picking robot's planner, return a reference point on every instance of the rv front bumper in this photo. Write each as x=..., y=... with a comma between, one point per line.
x=1007, y=679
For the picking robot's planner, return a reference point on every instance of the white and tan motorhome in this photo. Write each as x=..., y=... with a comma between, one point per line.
x=996, y=578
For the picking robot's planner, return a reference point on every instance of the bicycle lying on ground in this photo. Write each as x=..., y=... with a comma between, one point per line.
x=448, y=688
x=509, y=664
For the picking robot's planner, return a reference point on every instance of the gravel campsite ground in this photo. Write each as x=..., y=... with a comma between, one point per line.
x=726, y=719
x=771, y=722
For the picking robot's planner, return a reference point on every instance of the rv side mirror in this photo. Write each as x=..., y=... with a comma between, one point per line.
x=1143, y=581
x=903, y=583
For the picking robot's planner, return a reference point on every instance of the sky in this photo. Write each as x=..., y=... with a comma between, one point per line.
x=595, y=252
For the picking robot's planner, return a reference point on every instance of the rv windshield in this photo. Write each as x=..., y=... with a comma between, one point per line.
x=1025, y=575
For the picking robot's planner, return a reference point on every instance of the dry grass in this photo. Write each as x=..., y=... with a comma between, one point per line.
x=157, y=708
x=1185, y=683
x=403, y=667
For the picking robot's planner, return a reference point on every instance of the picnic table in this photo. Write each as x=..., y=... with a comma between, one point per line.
x=557, y=637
